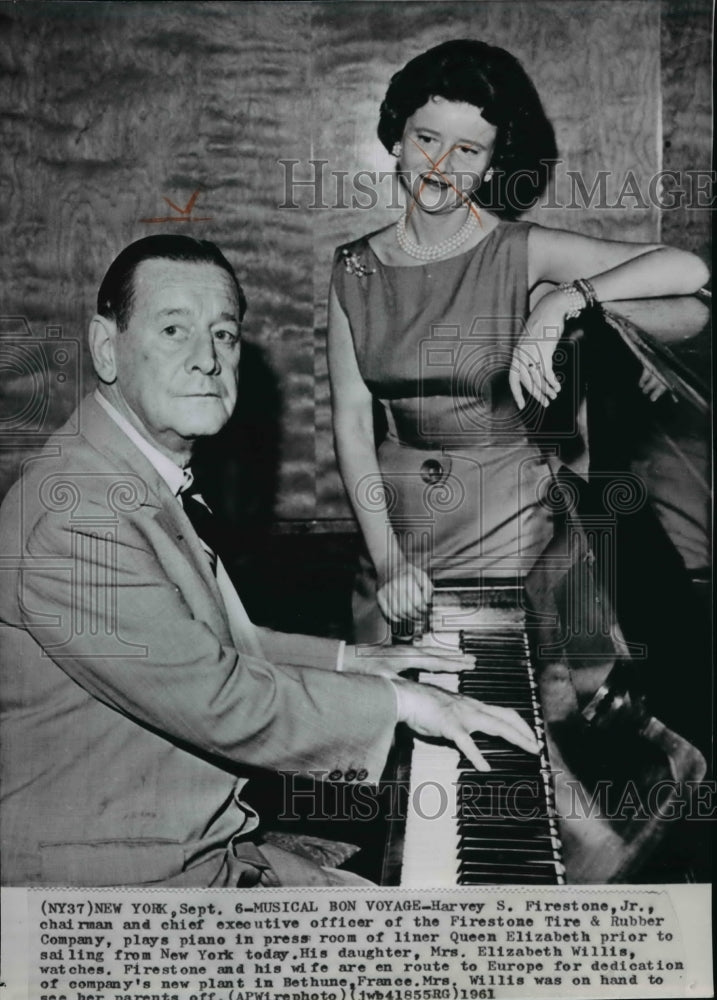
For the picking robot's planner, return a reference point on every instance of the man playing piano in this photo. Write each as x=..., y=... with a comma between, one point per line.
x=136, y=694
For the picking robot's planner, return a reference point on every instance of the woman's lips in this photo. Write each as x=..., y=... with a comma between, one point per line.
x=433, y=181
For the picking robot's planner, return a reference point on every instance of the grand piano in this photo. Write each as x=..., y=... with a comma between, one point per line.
x=604, y=647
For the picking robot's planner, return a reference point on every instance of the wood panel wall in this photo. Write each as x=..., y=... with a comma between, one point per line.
x=109, y=108
x=686, y=48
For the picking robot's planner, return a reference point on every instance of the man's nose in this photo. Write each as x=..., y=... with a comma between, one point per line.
x=203, y=355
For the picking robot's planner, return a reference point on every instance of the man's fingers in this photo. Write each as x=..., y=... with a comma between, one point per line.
x=430, y=711
x=495, y=720
x=465, y=744
x=444, y=664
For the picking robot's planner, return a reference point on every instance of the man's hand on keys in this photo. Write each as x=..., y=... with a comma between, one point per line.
x=429, y=711
x=389, y=661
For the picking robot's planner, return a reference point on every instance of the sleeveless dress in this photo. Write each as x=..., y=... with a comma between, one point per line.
x=460, y=476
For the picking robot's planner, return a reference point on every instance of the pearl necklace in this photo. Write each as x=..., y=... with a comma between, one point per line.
x=433, y=251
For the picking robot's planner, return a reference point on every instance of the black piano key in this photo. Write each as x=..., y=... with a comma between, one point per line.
x=503, y=756
x=534, y=818
x=504, y=774
x=499, y=648
x=500, y=826
x=487, y=668
x=479, y=814
x=496, y=851
x=506, y=863
x=500, y=658
x=478, y=875
x=517, y=791
x=494, y=854
x=475, y=854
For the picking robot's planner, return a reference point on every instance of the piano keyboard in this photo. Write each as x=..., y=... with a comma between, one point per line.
x=465, y=827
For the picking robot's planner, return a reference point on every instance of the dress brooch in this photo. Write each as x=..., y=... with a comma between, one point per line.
x=354, y=264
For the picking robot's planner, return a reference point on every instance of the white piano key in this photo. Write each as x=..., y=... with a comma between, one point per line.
x=431, y=837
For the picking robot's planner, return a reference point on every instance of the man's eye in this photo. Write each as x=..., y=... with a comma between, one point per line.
x=226, y=336
x=171, y=330
x=469, y=149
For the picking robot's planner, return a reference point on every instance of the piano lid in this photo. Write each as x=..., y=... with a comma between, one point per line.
x=674, y=334
x=665, y=443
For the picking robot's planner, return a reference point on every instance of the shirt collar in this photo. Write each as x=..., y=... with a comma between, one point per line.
x=176, y=478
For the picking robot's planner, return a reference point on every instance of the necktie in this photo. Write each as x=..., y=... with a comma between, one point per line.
x=205, y=525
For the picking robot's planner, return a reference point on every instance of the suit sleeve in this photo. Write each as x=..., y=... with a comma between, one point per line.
x=295, y=649
x=106, y=614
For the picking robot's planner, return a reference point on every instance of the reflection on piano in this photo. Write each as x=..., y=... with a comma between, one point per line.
x=604, y=648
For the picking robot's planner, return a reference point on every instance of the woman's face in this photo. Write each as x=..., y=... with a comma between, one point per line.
x=446, y=149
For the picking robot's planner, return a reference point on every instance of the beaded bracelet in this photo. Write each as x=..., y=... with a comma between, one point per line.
x=581, y=295
x=586, y=287
x=576, y=298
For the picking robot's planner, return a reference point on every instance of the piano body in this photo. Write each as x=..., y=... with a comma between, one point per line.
x=604, y=647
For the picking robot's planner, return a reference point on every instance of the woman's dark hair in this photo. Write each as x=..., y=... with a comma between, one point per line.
x=115, y=297
x=493, y=81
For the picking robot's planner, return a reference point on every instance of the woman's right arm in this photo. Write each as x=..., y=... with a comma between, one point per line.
x=404, y=589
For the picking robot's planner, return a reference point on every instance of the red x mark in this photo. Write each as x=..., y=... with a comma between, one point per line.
x=185, y=214
x=435, y=169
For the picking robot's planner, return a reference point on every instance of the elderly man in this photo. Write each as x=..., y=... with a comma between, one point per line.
x=137, y=695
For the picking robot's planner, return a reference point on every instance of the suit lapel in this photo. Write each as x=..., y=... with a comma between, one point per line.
x=109, y=440
x=185, y=560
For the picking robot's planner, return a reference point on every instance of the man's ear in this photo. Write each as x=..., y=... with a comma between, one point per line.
x=102, y=348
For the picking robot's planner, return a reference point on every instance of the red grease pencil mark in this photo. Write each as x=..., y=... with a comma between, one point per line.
x=435, y=168
x=185, y=214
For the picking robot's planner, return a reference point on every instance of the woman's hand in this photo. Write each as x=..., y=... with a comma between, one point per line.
x=652, y=383
x=405, y=593
x=532, y=363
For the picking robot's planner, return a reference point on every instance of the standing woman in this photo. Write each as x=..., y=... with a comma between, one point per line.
x=429, y=316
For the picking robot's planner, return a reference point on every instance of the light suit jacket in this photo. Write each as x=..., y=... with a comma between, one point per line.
x=127, y=701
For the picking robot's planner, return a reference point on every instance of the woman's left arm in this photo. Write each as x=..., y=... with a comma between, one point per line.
x=615, y=270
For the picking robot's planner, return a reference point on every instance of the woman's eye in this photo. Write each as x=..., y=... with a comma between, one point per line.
x=170, y=330
x=425, y=138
